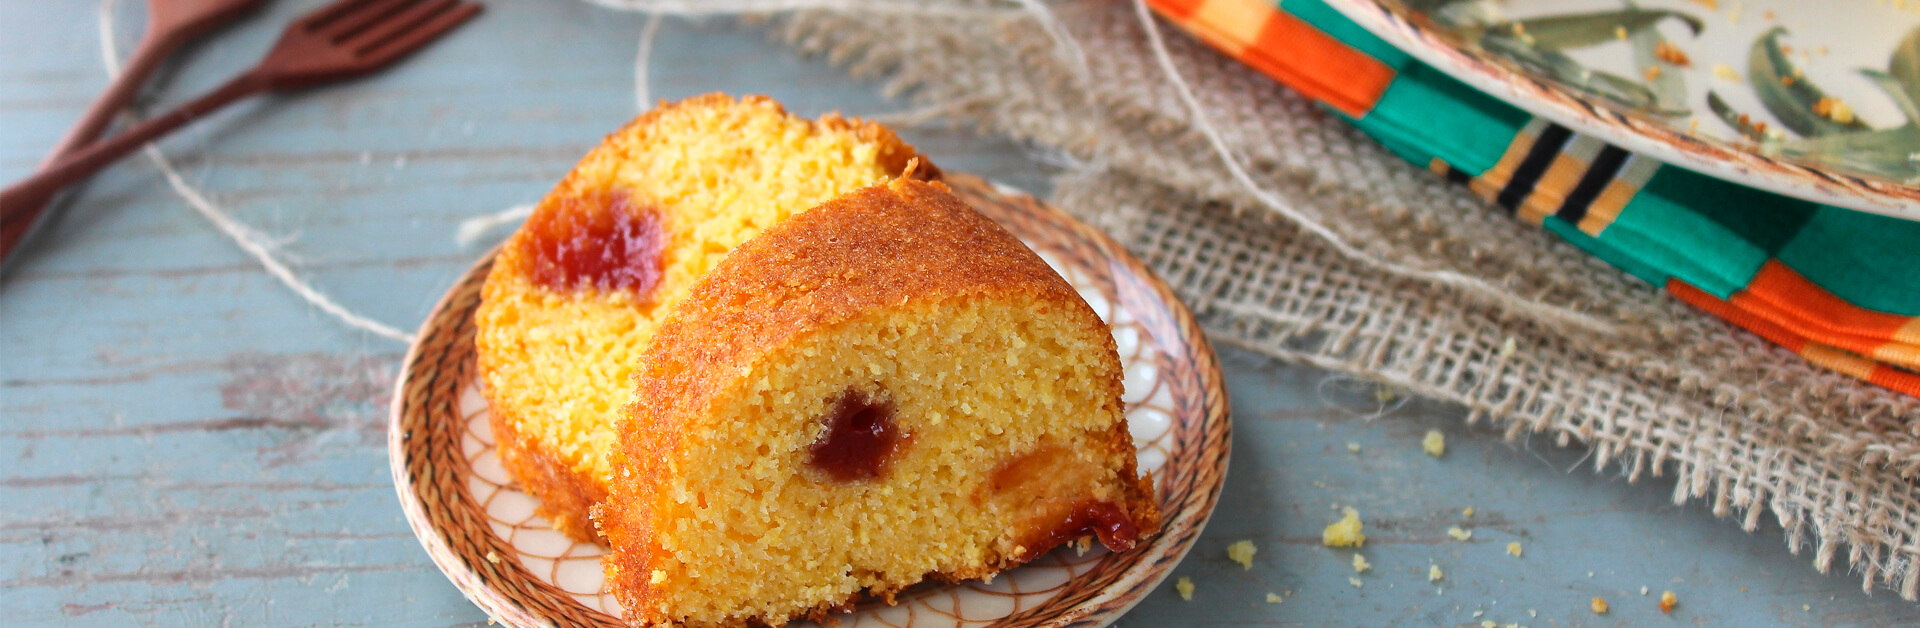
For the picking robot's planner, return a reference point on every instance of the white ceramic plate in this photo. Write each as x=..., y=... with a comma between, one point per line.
x=1859, y=150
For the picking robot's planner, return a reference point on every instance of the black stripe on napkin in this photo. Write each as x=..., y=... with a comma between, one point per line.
x=1605, y=166
x=1539, y=157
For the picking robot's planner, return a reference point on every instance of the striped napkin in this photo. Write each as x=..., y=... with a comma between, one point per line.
x=1839, y=287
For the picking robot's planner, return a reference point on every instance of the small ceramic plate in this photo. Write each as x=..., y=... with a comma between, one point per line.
x=480, y=529
x=1815, y=100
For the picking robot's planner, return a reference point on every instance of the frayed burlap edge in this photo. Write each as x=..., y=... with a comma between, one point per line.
x=1743, y=424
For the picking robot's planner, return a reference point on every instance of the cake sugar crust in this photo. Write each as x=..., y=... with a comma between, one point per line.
x=883, y=247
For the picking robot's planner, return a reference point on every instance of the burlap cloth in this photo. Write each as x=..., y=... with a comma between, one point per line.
x=1744, y=424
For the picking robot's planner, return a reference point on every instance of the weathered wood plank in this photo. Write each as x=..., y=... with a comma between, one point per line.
x=185, y=443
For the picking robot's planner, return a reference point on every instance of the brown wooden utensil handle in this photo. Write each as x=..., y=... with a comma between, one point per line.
x=170, y=24
x=118, y=93
x=14, y=226
x=346, y=39
x=22, y=198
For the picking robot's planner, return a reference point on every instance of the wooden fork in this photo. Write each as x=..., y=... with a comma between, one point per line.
x=347, y=39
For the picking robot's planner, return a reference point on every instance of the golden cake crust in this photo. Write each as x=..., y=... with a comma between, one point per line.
x=566, y=491
x=855, y=254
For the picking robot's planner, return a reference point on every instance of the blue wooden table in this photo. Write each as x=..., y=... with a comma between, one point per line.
x=183, y=442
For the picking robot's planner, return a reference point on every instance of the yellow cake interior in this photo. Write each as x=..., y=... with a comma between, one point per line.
x=1000, y=404
x=717, y=171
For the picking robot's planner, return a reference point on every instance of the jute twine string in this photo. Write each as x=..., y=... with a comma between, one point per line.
x=247, y=238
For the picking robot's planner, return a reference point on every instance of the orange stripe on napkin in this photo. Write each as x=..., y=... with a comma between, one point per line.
x=1820, y=354
x=1176, y=10
x=1786, y=289
x=1818, y=331
x=1489, y=184
x=1780, y=294
x=1282, y=46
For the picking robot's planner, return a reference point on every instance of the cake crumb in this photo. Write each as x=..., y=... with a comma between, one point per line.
x=1435, y=443
x=1599, y=606
x=1459, y=534
x=1619, y=32
x=1353, y=447
x=1667, y=601
x=1468, y=513
x=1184, y=586
x=1670, y=53
x=1433, y=573
x=1345, y=532
x=493, y=557
x=1589, y=574
x=1274, y=598
x=1834, y=109
x=1725, y=72
x=1488, y=623
x=1242, y=552
x=1806, y=607
x=1652, y=72
x=1514, y=549
x=1355, y=582
x=1532, y=613
x=1643, y=590
x=1360, y=564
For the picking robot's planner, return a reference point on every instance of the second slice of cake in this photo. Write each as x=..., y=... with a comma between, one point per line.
x=885, y=388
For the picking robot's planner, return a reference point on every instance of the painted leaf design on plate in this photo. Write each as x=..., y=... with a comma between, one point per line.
x=1886, y=153
x=1564, y=70
x=1567, y=32
x=1786, y=92
x=1669, y=86
x=1904, y=67
x=1896, y=92
x=1739, y=121
x=1828, y=134
x=1430, y=6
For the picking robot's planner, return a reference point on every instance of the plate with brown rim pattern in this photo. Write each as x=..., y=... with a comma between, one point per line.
x=1813, y=100
x=480, y=528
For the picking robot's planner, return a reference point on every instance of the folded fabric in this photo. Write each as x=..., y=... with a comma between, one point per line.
x=1839, y=287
